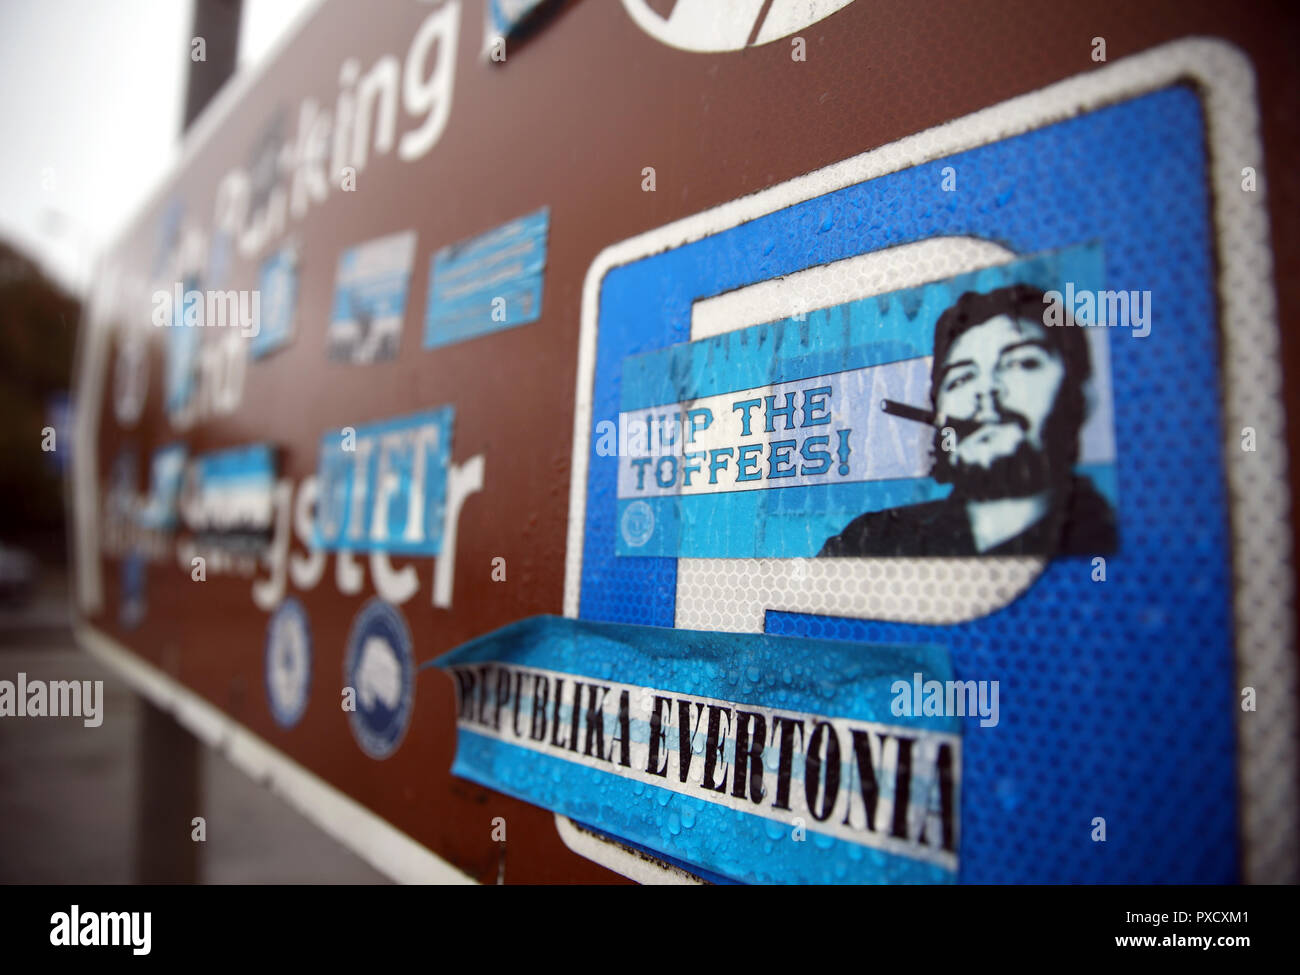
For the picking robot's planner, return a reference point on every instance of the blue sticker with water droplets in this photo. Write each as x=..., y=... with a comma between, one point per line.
x=753, y=757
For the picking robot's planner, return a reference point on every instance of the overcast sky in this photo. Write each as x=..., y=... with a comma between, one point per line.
x=90, y=113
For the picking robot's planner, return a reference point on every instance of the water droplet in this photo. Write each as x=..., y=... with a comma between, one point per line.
x=753, y=674
x=674, y=823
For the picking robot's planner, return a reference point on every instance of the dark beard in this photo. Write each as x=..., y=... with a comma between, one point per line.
x=1025, y=472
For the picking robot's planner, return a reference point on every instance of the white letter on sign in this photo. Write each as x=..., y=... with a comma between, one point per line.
x=432, y=94
x=462, y=481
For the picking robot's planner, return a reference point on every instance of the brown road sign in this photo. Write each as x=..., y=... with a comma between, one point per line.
x=342, y=383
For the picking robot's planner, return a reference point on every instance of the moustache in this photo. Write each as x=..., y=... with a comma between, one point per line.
x=962, y=427
x=1015, y=419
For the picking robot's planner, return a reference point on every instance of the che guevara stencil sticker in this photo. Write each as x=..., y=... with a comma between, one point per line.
x=947, y=419
x=848, y=412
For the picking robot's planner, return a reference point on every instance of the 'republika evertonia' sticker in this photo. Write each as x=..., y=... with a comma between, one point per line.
x=963, y=391
x=754, y=758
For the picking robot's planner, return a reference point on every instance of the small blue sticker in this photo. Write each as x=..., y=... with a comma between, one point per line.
x=232, y=491
x=183, y=346
x=167, y=236
x=384, y=485
x=380, y=668
x=219, y=259
x=58, y=415
x=288, y=663
x=278, y=285
x=370, y=299
x=166, y=469
x=487, y=283
x=134, y=573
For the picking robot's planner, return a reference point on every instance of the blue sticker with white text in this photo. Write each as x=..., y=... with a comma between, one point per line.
x=487, y=283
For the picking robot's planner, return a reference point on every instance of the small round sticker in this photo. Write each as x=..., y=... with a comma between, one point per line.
x=380, y=668
x=288, y=663
x=638, y=523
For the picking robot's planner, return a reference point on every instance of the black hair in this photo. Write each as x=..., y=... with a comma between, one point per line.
x=1022, y=302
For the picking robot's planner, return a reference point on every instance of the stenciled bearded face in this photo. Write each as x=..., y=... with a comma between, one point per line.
x=1005, y=376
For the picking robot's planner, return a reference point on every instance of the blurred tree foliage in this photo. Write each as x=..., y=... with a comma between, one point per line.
x=38, y=328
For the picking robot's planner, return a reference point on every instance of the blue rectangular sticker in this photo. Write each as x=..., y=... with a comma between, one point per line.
x=488, y=283
x=278, y=287
x=232, y=492
x=183, y=347
x=370, y=299
x=625, y=726
x=767, y=441
x=384, y=485
x=165, y=473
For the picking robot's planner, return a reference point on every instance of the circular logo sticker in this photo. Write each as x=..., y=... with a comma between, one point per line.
x=288, y=663
x=638, y=523
x=726, y=25
x=380, y=669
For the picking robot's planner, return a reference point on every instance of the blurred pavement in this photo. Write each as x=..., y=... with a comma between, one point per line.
x=67, y=792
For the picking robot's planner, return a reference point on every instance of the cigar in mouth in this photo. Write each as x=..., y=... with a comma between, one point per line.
x=922, y=415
